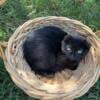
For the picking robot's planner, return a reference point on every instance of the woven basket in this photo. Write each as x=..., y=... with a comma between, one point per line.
x=65, y=85
x=2, y=2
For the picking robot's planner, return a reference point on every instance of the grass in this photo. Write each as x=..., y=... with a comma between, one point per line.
x=15, y=12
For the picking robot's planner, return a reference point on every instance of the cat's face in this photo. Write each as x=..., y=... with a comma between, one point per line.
x=75, y=48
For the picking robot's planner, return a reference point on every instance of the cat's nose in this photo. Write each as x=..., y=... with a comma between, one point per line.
x=72, y=57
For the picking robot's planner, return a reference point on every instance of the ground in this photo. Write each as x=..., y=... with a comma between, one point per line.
x=15, y=12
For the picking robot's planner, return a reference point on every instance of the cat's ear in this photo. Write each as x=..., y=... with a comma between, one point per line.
x=64, y=41
x=67, y=37
x=87, y=44
x=63, y=45
x=85, y=41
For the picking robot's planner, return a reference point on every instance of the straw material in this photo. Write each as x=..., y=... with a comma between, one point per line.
x=66, y=85
x=2, y=2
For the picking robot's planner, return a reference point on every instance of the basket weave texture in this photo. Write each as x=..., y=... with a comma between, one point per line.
x=65, y=85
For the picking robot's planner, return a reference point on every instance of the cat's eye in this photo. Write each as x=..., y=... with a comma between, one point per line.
x=80, y=51
x=68, y=47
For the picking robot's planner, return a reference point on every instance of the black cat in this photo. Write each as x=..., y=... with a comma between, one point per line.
x=49, y=50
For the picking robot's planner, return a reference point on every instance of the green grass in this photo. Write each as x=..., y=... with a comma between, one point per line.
x=15, y=12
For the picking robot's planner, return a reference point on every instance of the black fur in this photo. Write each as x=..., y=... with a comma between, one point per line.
x=41, y=48
x=44, y=50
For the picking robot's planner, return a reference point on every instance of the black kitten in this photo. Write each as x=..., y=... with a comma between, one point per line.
x=49, y=50
x=41, y=48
